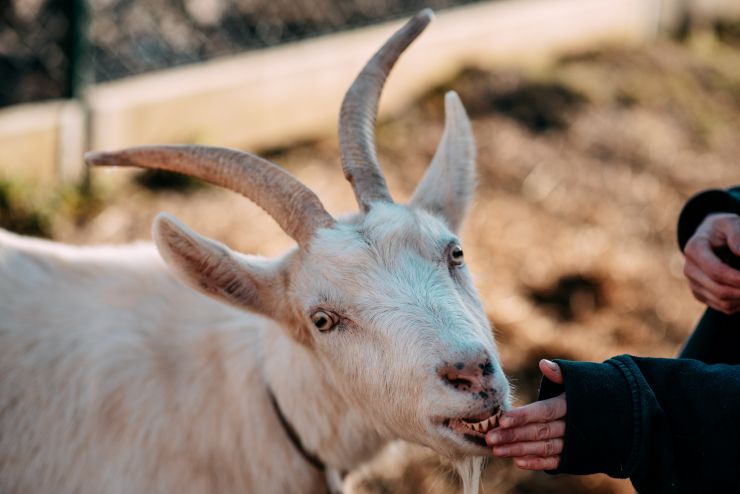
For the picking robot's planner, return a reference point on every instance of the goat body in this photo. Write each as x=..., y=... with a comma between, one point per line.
x=123, y=373
x=104, y=354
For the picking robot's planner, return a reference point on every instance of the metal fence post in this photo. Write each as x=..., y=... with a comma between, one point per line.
x=76, y=48
x=73, y=136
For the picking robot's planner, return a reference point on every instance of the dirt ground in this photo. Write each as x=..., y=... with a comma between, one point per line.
x=583, y=169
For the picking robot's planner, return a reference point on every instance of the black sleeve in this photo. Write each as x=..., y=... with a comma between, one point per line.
x=716, y=338
x=703, y=204
x=670, y=425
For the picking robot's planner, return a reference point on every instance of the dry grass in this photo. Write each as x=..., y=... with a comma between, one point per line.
x=584, y=168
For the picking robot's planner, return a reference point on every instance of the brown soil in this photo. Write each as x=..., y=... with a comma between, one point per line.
x=583, y=169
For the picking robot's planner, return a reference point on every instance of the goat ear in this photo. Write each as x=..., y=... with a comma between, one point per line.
x=215, y=270
x=447, y=187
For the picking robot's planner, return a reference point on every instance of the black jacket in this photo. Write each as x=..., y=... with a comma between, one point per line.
x=670, y=425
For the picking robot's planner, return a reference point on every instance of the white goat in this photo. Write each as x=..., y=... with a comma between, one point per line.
x=115, y=377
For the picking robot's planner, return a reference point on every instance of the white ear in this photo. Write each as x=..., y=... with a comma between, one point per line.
x=447, y=187
x=215, y=270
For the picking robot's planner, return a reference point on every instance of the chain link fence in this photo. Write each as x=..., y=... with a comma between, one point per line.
x=48, y=48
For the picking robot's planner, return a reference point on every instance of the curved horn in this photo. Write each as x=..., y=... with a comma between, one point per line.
x=359, y=110
x=294, y=206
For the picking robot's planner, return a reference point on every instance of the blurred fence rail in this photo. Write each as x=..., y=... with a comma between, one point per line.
x=273, y=96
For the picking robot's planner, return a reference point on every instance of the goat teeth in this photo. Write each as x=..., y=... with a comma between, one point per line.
x=483, y=426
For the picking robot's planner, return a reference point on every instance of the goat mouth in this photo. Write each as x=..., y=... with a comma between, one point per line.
x=473, y=429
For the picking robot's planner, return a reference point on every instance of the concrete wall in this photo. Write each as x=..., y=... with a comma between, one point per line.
x=275, y=96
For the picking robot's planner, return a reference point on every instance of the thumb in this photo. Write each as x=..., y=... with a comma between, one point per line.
x=732, y=233
x=551, y=370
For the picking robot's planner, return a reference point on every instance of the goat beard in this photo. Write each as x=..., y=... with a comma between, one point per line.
x=469, y=470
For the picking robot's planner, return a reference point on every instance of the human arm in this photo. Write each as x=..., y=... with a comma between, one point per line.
x=670, y=425
x=709, y=235
x=707, y=228
x=708, y=267
x=702, y=205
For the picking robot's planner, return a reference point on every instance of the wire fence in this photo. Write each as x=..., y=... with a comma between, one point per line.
x=50, y=48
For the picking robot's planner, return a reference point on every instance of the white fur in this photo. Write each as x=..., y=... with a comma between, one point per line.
x=115, y=377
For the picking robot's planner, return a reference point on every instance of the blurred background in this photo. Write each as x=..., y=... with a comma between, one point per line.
x=595, y=121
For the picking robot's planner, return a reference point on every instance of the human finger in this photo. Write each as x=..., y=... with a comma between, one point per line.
x=699, y=251
x=728, y=225
x=548, y=447
x=529, y=432
x=537, y=463
x=720, y=292
x=702, y=294
x=539, y=411
x=551, y=370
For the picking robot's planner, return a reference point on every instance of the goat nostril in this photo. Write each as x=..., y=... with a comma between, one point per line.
x=486, y=368
x=472, y=376
x=458, y=382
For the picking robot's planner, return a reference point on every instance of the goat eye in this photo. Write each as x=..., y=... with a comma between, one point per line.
x=456, y=255
x=324, y=321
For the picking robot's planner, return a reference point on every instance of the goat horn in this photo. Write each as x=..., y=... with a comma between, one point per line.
x=359, y=110
x=294, y=206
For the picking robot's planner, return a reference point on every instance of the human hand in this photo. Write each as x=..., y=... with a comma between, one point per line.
x=712, y=281
x=533, y=434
